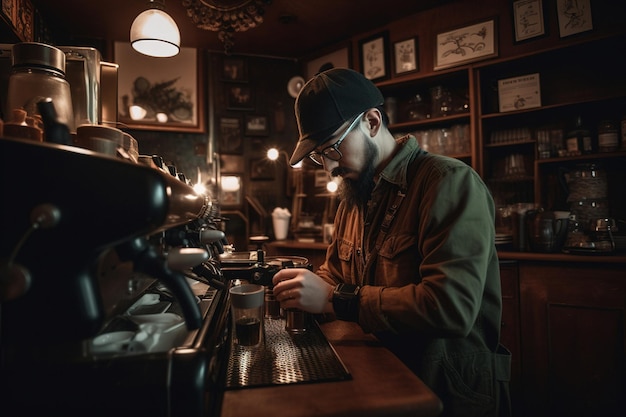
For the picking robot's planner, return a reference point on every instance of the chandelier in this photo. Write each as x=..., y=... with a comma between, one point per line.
x=226, y=17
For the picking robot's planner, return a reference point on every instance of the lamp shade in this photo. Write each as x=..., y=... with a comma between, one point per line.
x=155, y=33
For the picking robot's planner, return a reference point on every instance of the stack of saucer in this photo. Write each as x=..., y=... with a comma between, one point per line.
x=503, y=239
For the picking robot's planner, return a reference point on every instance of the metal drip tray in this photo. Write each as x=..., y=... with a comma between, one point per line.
x=285, y=358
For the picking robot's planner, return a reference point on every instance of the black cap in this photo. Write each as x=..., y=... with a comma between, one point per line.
x=326, y=102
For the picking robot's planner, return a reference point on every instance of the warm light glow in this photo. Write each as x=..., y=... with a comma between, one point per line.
x=155, y=33
x=332, y=186
x=273, y=154
x=161, y=117
x=230, y=183
x=137, y=112
x=199, y=189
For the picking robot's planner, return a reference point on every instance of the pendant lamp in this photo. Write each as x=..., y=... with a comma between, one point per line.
x=154, y=32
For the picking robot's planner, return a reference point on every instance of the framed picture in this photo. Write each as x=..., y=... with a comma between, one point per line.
x=574, y=16
x=528, y=19
x=257, y=125
x=230, y=137
x=230, y=191
x=466, y=44
x=159, y=93
x=262, y=169
x=405, y=56
x=338, y=59
x=234, y=69
x=231, y=164
x=239, y=97
x=374, y=56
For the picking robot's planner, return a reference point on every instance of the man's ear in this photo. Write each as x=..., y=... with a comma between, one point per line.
x=374, y=121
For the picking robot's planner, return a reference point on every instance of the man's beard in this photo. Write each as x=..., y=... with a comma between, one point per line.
x=357, y=192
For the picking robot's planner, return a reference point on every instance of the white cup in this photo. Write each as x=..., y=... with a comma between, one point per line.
x=281, y=226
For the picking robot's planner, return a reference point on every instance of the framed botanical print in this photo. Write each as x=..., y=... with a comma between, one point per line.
x=528, y=19
x=337, y=59
x=374, y=57
x=466, y=44
x=574, y=16
x=239, y=97
x=405, y=56
x=235, y=69
x=157, y=93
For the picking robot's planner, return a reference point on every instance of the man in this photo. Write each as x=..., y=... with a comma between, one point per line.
x=412, y=258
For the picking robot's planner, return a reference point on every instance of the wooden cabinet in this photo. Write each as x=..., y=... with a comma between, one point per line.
x=508, y=149
x=568, y=341
x=510, y=326
x=585, y=80
x=436, y=109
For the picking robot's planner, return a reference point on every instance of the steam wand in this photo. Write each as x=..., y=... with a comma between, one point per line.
x=146, y=260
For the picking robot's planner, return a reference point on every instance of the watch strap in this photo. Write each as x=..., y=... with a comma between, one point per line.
x=346, y=302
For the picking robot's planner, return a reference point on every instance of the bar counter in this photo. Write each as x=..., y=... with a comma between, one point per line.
x=381, y=385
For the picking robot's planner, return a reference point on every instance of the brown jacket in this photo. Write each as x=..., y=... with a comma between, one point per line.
x=431, y=283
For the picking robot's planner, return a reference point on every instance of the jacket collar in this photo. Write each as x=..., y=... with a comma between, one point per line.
x=396, y=170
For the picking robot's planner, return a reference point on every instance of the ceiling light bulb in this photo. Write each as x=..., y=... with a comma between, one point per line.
x=155, y=33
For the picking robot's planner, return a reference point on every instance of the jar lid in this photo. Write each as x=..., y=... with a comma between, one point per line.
x=38, y=54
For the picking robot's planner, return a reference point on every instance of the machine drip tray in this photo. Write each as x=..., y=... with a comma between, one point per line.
x=285, y=358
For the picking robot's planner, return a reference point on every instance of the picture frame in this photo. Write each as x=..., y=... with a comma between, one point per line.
x=231, y=191
x=231, y=164
x=336, y=59
x=466, y=44
x=262, y=169
x=234, y=69
x=528, y=20
x=239, y=97
x=160, y=94
x=574, y=17
x=374, y=57
x=256, y=125
x=405, y=55
x=230, y=135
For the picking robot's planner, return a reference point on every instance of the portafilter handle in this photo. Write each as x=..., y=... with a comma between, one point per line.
x=146, y=260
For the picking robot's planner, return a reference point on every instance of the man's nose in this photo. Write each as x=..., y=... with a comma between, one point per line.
x=329, y=164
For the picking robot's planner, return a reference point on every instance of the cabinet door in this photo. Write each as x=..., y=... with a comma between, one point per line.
x=510, y=330
x=573, y=339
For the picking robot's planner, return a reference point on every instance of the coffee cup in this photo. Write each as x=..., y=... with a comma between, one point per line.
x=247, y=310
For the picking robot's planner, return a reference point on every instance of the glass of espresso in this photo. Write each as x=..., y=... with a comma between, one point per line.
x=247, y=309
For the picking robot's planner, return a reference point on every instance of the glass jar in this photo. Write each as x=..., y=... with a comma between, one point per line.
x=608, y=140
x=38, y=72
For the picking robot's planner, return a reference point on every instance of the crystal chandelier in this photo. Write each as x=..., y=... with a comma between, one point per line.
x=226, y=16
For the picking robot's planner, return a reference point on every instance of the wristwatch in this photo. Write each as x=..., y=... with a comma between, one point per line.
x=346, y=302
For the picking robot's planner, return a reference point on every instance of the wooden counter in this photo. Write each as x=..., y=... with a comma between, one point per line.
x=380, y=386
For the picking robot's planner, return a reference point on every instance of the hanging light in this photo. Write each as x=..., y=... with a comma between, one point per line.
x=154, y=32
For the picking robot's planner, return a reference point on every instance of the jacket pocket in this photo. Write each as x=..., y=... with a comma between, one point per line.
x=398, y=260
x=464, y=385
x=397, y=244
x=345, y=250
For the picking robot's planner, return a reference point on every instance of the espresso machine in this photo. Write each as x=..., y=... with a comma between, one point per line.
x=112, y=301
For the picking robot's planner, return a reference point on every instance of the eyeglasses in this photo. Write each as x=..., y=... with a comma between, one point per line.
x=332, y=152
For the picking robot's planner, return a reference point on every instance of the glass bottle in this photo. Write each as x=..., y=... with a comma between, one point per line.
x=578, y=140
x=608, y=140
